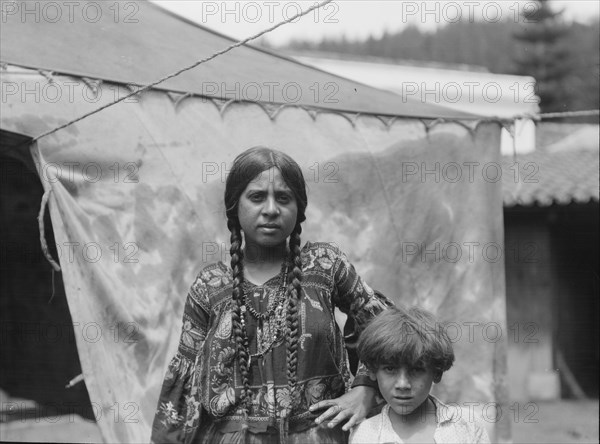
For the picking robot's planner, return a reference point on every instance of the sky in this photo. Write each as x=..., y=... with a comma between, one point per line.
x=357, y=19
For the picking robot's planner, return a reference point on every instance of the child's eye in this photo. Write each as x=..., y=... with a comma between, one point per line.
x=389, y=369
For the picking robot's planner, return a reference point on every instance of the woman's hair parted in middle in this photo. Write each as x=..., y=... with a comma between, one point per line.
x=247, y=166
x=406, y=336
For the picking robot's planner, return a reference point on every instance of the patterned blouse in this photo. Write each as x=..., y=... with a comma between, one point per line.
x=202, y=385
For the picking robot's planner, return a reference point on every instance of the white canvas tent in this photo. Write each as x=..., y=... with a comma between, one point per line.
x=469, y=89
x=408, y=190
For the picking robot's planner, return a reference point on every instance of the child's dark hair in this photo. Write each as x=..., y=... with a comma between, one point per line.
x=247, y=166
x=406, y=336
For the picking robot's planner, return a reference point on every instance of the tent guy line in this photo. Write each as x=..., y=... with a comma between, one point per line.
x=187, y=68
x=583, y=113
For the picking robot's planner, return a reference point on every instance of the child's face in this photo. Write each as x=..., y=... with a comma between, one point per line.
x=404, y=387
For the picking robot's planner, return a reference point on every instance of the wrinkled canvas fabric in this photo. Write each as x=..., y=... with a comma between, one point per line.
x=137, y=211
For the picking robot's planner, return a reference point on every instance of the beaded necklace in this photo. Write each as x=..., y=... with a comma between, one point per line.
x=271, y=323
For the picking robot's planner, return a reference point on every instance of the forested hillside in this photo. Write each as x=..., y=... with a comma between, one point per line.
x=569, y=67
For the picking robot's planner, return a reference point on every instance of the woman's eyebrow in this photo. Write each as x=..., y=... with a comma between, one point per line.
x=256, y=188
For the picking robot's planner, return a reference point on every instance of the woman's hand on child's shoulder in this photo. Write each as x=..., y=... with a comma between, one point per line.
x=352, y=406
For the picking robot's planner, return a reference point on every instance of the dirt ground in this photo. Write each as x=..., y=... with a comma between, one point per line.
x=557, y=422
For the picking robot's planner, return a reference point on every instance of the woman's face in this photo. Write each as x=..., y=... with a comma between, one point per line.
x=267, y=210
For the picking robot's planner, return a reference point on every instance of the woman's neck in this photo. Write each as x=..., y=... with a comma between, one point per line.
x=264, y=264
x=264, y=258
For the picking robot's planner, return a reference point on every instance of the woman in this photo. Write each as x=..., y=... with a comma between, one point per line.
x=261, y=359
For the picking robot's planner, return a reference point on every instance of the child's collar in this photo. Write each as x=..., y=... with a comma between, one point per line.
x=444, y=412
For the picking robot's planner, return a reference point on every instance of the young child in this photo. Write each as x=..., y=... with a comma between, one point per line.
x=406, y=351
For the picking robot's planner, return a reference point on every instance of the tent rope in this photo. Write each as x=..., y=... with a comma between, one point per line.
x=53, y=288
x=42, y=229
x=187, y=68
x=583, y=113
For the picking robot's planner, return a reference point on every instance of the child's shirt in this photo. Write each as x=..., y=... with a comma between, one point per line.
x=453, y=427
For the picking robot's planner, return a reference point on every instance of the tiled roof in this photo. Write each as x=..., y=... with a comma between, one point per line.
x=562, y=169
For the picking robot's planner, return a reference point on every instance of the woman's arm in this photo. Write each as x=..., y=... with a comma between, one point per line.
x=355, y=298
x=178, y=411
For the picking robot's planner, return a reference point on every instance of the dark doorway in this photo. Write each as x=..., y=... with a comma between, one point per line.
x=553, y=292
x=574, y=236
x=38, y=354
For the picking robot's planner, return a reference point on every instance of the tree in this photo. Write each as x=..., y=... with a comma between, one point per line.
x=582, y=84
x=544, y=55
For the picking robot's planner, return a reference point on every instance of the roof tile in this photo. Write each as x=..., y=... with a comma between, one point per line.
x=566, y=168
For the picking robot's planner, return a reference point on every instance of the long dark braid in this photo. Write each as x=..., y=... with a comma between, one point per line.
x=292, y=331
x=238, y=325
